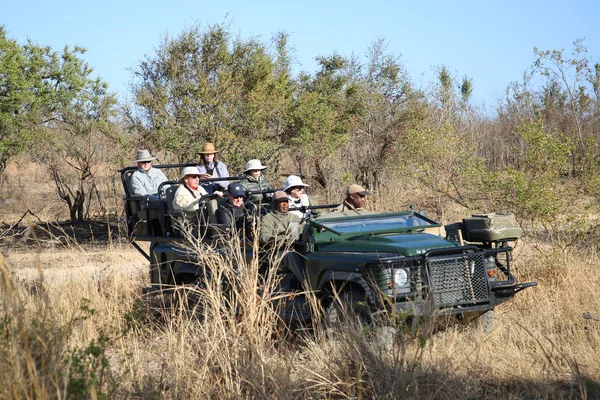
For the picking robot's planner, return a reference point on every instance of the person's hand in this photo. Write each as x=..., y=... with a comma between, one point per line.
x=207, y=176
x=218, y=193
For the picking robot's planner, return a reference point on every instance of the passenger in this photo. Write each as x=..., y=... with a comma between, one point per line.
x=278, y=228
x=256, y=181
x=232, y=210
x=355, y=199
x=279, y=225
x=211, y=167
x=295, y=189
x=145, y=181
x=187, y=197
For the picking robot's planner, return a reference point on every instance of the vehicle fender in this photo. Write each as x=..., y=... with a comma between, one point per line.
x=345, y=280
x=190, y=270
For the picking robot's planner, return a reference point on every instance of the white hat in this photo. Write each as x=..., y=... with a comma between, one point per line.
x=254, y=164
x=143, y=155
x=293, y=181
x=190, y=171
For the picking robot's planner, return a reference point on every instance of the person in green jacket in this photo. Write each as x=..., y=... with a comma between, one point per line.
x=256, y=181
x=277, y=229
x=279, y=225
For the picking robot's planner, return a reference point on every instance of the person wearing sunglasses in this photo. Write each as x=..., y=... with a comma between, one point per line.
x=146, y=179
x=188, y=195
x=297, y=197
x=355, y=199
x=256, y=181
x=231, y=213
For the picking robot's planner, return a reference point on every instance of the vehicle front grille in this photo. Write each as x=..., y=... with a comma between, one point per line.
x=457, y=279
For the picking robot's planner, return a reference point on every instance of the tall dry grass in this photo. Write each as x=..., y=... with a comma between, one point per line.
x=95, y=337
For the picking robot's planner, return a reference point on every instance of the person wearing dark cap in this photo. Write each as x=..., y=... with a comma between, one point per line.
x=355, y=199
x=279, y=225
x=232, y=210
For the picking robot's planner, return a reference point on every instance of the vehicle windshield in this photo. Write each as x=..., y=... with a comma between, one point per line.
x=375, y=224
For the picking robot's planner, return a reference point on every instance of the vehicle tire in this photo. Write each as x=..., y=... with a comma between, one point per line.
x=485, y=322
x=349, y=308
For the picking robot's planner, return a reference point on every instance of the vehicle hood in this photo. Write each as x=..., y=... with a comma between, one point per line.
x=408, y=244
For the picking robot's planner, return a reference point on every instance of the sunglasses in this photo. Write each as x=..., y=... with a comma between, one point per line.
x=238, y=197
x=193, y=176
x=145, y=162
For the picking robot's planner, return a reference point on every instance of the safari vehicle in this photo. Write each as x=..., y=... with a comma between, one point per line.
x=368, y=262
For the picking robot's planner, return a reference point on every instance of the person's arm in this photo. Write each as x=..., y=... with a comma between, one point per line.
x=266, y=185
x=267, y=228
x=222, y=173
x=137, y=186
x=224, y=216
x=160, y=178
x=184, y=201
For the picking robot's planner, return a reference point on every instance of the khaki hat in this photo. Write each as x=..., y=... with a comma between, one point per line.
x=208, y=148
x=293, y=181
x=254, y=164
x=143, y=155
x=356, y=189
x=279, y=197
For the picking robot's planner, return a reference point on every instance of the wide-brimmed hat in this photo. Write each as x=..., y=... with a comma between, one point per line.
x=189, y=171
x=279, y=197
x=293, y=181
x=356, y=189
x=143, y=155
x=254, y=164
x=236, y=189
x=208, y=148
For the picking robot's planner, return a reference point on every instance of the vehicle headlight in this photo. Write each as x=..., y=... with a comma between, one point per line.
x=400, y=277
x=398, y=281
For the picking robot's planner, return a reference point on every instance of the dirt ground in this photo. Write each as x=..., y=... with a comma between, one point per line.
x=57, y=252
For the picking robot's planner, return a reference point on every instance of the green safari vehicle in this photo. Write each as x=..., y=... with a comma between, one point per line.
x=368, y=262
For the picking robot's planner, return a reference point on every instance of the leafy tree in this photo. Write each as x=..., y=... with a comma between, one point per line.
x=566, y=94
x=533, y=187
x=211, y=86
x=80, y=141
x=35, y=84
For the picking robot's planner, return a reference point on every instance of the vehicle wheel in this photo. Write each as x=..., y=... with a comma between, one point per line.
x=485, y=322
x=349, y=308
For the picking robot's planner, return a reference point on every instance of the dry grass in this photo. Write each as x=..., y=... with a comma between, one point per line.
x=74, y=324
x=56, y=334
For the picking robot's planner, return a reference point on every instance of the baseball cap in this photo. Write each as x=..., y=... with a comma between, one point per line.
x=357, y=189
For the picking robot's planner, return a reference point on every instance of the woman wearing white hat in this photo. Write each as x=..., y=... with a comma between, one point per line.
x=256, y=181
x=295, y=189
x=187, y=197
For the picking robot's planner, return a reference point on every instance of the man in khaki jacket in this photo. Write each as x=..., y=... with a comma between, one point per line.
x=355, y=199
x=277, y=229
x=279, y=224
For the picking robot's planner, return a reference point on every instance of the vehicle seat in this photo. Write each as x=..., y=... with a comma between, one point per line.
x=172, y=218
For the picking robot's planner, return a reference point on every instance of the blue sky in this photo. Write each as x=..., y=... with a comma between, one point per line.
x=490, y=41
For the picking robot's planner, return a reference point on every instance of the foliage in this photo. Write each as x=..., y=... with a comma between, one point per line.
x=443, y=162
x=210, y=86
x=36, y=84
x=533, y=188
